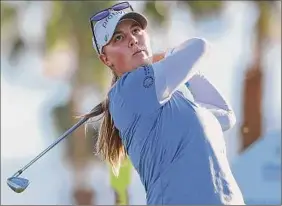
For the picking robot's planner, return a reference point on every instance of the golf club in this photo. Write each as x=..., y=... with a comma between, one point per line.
x=19, y=184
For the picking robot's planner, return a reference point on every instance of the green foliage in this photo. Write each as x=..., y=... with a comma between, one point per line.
x=56, y=28
x=203, y=9
x=7, y=13
x=71, y=18
x=156, y=11
x=70, y=22
x=62, y=117
x=263, y=20
x=121, y=183
x=159, y=10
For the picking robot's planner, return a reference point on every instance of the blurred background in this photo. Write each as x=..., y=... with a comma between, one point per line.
x=50, y=73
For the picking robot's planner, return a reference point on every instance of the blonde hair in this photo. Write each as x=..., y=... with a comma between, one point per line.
x=109, y=145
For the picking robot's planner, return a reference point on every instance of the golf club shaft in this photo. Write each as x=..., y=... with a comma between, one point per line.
x=69, y=131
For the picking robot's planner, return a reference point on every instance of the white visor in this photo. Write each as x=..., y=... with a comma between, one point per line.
x=105, y=28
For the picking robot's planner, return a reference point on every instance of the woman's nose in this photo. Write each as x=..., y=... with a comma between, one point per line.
x=133, y=41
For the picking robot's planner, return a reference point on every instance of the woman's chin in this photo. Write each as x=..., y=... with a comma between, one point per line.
x=144, y=62
x=144, y=59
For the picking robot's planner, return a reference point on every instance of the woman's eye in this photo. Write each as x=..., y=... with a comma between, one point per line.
x=118, y=37
x=136, y=30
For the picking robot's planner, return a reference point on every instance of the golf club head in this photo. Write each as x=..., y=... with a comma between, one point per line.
x=17, y=184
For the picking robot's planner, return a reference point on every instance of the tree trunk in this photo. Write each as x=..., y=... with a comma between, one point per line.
x=252, y=106
x=251, y=129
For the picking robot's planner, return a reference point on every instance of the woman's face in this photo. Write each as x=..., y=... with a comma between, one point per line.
x=128, y=49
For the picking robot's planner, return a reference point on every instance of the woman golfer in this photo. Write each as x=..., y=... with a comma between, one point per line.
x=163, y=114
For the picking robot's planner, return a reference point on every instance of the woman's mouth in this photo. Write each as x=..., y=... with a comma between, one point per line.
x=139, y=52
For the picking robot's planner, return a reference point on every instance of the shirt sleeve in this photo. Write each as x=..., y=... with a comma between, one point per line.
x=207, y=95
x=177, y=68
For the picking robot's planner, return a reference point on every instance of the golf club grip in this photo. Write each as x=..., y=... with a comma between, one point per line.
x=69, y=131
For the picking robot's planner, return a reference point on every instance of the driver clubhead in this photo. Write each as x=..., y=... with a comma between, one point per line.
x=17, y=184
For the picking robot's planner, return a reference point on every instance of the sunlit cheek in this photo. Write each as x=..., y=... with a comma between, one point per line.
x=123, y=59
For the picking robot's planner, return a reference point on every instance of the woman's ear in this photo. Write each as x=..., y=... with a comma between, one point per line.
x=105, y=60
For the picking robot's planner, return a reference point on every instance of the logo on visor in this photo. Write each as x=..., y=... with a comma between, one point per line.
x=112, y=15
x=106, y=37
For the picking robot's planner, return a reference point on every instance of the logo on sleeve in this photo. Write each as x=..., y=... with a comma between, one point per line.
x=149, y=79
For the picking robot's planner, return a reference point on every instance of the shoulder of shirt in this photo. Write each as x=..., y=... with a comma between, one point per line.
x=129, y=75
x=116, y=88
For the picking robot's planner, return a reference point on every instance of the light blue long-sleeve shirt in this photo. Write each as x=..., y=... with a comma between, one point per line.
x=175, y=144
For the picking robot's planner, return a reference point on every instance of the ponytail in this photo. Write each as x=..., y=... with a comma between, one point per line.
x=109, y=144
